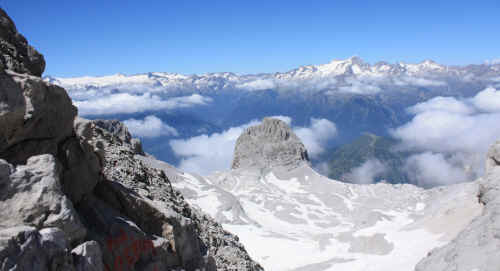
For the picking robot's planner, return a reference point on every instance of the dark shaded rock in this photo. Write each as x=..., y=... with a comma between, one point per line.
x=88, y=257
x=26, y=249
x=15, y=52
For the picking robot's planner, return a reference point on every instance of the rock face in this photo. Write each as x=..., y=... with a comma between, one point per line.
x=73, y=195
x=270, y=144
x=25, y=248
x=145, y=195
x=17, y=55
x=31, y=195
x=35, y=116
x=478, y=246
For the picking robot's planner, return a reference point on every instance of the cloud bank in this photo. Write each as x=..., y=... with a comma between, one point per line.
x=205, y=154
x=316, y=135
x=452, y=136
x=366, y=173
x=359, y=84
x=126, y=103
x=150, y=126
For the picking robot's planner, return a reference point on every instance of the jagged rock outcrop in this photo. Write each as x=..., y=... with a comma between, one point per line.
x=16, y=54
x=478, y=246
x=74, y=197
x=270, y=144
x=145, y=195
x=118, y=129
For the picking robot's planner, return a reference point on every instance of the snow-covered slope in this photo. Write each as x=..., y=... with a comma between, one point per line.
x=292, y=218
x=300, y=220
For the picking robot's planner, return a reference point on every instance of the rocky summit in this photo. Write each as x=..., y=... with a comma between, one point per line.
x=270, y=144
x=75, y=196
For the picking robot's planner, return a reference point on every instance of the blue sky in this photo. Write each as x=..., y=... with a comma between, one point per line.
x=106, y=37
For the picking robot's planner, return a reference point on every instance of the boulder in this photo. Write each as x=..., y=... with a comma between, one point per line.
x=31, y=195
x=35, y=117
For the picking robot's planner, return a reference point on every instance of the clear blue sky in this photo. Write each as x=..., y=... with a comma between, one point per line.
x=110, y=36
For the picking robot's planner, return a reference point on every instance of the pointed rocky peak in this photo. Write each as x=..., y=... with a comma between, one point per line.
x=267, y=145
x=15, y=52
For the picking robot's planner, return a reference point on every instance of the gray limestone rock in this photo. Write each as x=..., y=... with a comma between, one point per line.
x=35, y=117
x=81, y=161
x=116, y=128
x=270, y=144
x=15, y=52
x=119, y=130
x=31, y=195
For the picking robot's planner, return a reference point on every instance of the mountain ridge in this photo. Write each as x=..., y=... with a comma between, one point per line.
x=337, y=68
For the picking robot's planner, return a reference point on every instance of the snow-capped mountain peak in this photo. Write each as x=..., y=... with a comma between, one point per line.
x=334, y=76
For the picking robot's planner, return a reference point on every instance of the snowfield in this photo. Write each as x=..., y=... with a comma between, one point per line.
x=299, y=220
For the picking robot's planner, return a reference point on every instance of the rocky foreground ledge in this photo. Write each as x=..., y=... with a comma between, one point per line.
x=72, y=196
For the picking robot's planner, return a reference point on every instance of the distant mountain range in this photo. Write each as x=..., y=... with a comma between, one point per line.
x=313, y=77
x=357, y=96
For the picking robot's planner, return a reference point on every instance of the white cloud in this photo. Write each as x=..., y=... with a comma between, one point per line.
x=258, y=84
x=429, y=169
x=447, y=104
x=488, y=100
x=417, y=81
x=454, y=134
x=315, y=136
x=125, y=103
x=208, y=153
x=151, y=126
x=289, y=84
x=366, y=173
x=359, y=87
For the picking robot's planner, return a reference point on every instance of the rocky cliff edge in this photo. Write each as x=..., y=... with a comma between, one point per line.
x=72, y=195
